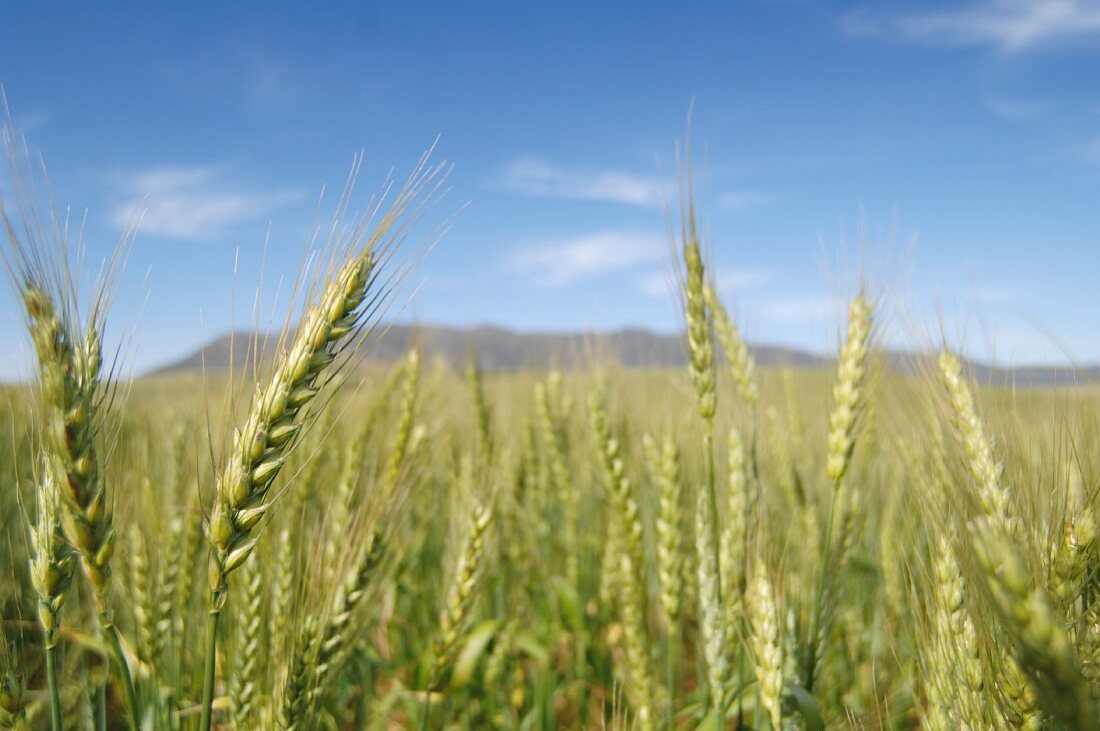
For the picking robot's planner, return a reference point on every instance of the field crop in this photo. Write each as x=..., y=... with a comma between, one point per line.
x=302, y=543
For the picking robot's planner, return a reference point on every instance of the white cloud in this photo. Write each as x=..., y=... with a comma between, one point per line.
x=736, y=200
x=1011, y=26
x=193, y=202
x=564, y=261
x=540, y=178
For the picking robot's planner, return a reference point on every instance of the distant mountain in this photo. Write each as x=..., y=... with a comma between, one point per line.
x=498, y=349
x=1020, y=376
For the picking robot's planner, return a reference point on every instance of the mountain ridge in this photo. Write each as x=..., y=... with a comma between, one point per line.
x=501, y=349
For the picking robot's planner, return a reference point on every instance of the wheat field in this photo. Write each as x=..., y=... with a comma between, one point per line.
x=301, y=543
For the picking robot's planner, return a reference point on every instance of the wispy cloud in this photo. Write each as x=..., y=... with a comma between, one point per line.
x=657, y=283
x=1015, y=110
x=1013, y=343
x=255, y=72
x=736, y=200
x=728, y=280
x=1091, y=152
x=994, y=294
x=267, y=77
x=31, y=121
x=193, y=203
x=802, y=309
x=1011, y=26
x=559, y=262
x=535, y=176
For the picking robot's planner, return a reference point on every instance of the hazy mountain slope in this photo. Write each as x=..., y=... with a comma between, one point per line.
x=500, y=349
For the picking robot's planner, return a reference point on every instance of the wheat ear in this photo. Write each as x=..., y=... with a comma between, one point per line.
x=701, y=366
x=461, y=596
x=848, y=389
x=242, y=689
x=626, y=561
x=13, y=692
x=174, y=563
x=734, y=539
x=1041, y=647
x=848, y=400
x=476, y=382
x=403, y=434
x=69, y=370
x=986, y=471
x=294, y=696
x=955, y=667
x=560, y=483
x=700, y=344
x=738, y=357
x=766, y=645
x=712, y=617
x=277, y=413
x=1070, y=559
x=340, y=505
x=51, y=569
x=337, y=639
x=142, y=595
x=260, y=449
x=663, y=463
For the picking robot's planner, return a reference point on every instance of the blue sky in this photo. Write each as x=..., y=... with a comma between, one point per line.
x=953, y=147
